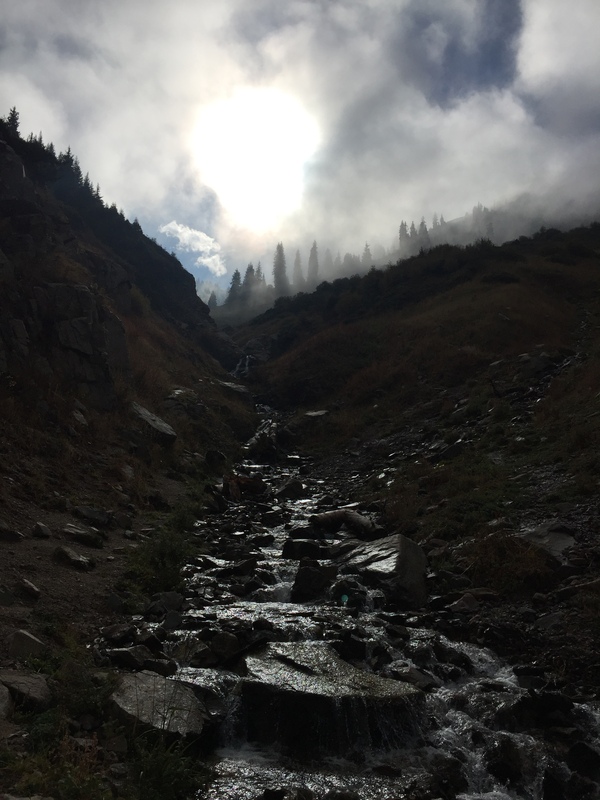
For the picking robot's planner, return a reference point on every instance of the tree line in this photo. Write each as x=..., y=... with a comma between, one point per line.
x=61, y=173
x=251, y=294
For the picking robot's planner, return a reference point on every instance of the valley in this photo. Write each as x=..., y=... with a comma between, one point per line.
x=357, y=536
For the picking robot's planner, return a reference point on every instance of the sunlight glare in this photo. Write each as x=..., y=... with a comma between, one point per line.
x=251, y=149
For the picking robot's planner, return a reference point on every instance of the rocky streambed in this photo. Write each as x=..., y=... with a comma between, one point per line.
x=305, y=659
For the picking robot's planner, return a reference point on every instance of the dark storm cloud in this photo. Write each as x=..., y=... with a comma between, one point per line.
x=422, y=105
x=447, y=56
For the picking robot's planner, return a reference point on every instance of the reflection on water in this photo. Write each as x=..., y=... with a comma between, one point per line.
x=458, y=746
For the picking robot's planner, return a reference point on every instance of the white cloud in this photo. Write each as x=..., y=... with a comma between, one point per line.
x=194, y=241
x=422, y=106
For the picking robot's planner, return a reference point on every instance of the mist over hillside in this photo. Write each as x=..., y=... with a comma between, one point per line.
x=225, y=128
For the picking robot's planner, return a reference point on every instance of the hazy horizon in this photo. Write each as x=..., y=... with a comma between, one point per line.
x=227, y=126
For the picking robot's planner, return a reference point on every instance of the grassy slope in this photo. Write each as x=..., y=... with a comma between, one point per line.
x=449, y=363
x=430, y=328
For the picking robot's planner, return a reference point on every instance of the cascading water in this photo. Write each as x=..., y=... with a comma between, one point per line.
x=345, y=694
x=287, y=727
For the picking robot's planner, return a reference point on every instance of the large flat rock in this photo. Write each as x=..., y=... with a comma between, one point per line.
x=302, y=697
x=29, y=689
x=395, y=560
x=148, y=700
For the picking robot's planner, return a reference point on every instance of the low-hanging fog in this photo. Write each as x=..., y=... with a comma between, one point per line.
x=227, y=126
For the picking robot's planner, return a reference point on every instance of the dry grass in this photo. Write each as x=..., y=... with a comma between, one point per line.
x=505, y=562
x=446, y=339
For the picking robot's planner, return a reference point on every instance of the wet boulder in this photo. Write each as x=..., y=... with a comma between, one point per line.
x=511, y=764
x=236, y=486
x=345, y=518
x=296, y=549
x=312, y=579
x=305, y=699
x=396, y=564
x=292, y=490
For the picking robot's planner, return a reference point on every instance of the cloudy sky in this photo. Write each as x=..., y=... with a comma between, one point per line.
x=228, y=125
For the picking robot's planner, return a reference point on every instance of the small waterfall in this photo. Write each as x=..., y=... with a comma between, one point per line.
x=324, y=699
x=280, y=591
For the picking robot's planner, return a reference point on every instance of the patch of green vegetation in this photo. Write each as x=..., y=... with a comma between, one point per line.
x=156, y=565
x=167, y=771
x=66, y=771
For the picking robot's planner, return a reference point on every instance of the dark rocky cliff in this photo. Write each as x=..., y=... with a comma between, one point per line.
x=68, y=279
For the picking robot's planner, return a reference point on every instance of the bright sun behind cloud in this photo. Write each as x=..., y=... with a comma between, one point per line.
x=251, y=149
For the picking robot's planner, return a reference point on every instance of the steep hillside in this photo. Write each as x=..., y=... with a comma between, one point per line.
x=458, y=395
x=111, y=399
x=426, y=325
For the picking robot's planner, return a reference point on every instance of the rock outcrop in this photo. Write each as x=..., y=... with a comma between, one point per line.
x=150, y=701
x=305, y=699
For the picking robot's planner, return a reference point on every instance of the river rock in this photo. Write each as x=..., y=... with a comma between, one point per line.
x=119, y=633
x=9, y=534
x=28, y=689
x=152, y=701
x=65, y=555
x=554, y=537
x=130, y=657
x=97, y=516
x=419, y=678
x=162, y=666
x=332, y=521
x=302, y=697
x=296, y=549
x=585, y=758
x=28, y=589
x=23, y=644
x=292, y=490
x=41, y=531
x=83, y=536
x=395, y=563
x=157, y=427
x=312, y=578
x=6, y=703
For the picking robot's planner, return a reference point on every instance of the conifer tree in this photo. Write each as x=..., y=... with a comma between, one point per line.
x=247, y=288
x=280, y=278
x=312, y=274
x=12, y=121
x=403, y=232
x=366, y=258
x=259, y=277
x=212, y=301
x=233, y=295
x=424, y=241
x=298, y=281
x=66, y=158
x=77, y=173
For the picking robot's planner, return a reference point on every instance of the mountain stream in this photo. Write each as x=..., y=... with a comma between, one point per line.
x=331, y=687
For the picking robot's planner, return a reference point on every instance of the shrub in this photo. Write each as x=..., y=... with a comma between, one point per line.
x=156, y=565
x=167, y=771
x=505, y=562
